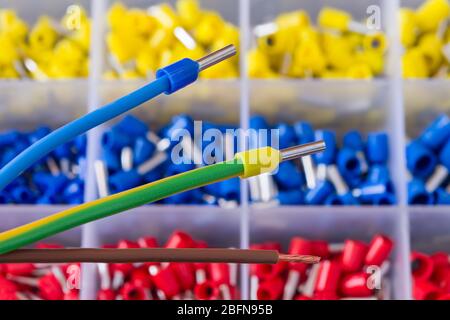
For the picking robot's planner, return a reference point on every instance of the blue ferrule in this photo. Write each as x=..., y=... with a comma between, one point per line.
x=132, y=126
x=111, y=159
x=290, y=197
x=304, y=132
x=180, y=74
x=143, y=150
x=444, y=155
x=348, y=163
x=442, y=197
x=420, y=160
x=329, y=154
x=353, y=140
x=115, y=139
x=288, y=176
x=378, y=173
x=229, y=189
x=437, y=133
x=417, y=193
x=319, y=194
x=286, y=135
x=377, y=147
x=124, y=180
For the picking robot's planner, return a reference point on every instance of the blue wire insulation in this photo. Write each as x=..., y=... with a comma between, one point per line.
x=79, y=126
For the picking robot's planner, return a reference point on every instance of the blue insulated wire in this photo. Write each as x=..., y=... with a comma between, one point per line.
x=79, y=126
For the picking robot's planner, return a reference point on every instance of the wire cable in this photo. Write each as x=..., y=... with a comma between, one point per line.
x=169, y=79
x=207, y=255
x=245, y=164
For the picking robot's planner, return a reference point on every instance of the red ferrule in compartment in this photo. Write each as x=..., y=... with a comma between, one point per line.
x=300, y=246
x=147, y=242
x=185, y=273
x=379, y=249
x=130, y=291
x=166, y=281
x=50, y=288
x=353, y=255
x=140, y=277
x=320, y=248
x=220, y=273
x=207, y=290
x=421, y=265
x=355, y=285
x=106, y=294
x=19, y=269
x=271, y=289
x=328, y=276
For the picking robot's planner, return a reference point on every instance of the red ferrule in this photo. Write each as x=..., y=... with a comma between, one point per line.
x=353, y=255
x=127, y=244
x=320, y=248
x=300, y=246
x=180, y=239
x=271, y=289
x=328, y=276
x=421, y=265
x=72, y=295
x=269, y=271
x=355, y=285
x=50, y=288
x=48, y=246
x=441, y=278
x=207, y=290
x=166, y=281
x=325, y=296
x=272, y=246
x=140, y=277
x=379, y=249
x=19, y=269
x=147, y=242
x=106, y=294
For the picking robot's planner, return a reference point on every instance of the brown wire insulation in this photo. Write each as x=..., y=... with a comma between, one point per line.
x=150, y=255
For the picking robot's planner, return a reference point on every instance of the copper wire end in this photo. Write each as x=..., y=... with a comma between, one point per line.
x=298, y=258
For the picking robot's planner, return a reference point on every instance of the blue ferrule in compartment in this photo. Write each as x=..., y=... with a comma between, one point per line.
x=143, y=150
x=353, y=140
x=420, y=160
x=115, y=139
x=444, y=155
x=286, y=135
x=417, y=193
x=348, y=163
x=304, y=132
x=124, y=180
x=288, y=176
x=319, y=194
x=180, y=74
x=290, y=197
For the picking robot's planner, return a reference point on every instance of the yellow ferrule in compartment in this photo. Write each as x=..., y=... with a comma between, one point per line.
x=258, y=161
